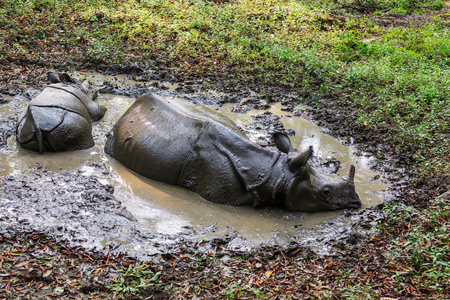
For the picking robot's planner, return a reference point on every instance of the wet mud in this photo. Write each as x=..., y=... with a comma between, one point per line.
x=87, y=198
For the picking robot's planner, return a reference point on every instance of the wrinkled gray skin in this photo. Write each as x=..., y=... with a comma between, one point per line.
x=186, y=144
x=60, y=118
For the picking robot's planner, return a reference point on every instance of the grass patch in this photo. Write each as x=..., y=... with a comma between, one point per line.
x=133, y=279
x=422, y=252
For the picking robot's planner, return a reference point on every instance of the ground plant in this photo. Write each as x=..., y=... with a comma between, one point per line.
x=384, y=63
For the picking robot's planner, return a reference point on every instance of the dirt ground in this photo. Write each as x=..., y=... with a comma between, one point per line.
x=38, y=264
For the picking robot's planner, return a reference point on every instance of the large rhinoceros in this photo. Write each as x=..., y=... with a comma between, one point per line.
x=186, y=144
x=60, y=117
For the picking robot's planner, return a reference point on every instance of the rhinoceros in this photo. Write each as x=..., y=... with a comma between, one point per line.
x=186, y=144
x=60, y=117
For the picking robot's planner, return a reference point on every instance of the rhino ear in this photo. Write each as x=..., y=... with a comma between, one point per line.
x=53, y=78
x=67, y=79
x=282, y=142
x=300, y=160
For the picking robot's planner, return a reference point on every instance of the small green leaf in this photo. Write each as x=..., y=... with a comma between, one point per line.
x=154, y=278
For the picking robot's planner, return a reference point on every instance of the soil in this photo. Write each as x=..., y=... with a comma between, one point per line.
x=47, y=264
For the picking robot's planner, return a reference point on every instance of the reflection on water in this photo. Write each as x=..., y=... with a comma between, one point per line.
x=167, y=209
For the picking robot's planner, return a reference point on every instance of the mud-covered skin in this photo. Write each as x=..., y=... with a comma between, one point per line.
x=185, y=144
x=60, y=118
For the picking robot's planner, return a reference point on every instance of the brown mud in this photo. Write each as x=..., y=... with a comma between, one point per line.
x=47, y=260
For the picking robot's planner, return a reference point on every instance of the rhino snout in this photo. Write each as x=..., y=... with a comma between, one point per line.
x=345, y=199
x=355, y=203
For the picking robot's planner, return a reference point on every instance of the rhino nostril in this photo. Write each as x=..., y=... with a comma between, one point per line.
x=356, y=204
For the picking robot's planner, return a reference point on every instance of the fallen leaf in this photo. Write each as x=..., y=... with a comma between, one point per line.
x=186, y=292
x=59, y=290
x=21, y=264
x=47, y=273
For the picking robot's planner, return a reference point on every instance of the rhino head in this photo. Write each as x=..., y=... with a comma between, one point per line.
x=308, y=190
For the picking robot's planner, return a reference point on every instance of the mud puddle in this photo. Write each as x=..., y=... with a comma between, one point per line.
x=151, y=199
x=150, y=217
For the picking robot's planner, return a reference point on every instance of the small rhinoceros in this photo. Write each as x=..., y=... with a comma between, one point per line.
x=186, y=144
x=60, y=117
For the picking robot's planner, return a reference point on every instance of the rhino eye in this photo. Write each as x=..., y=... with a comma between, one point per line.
x=326, y=191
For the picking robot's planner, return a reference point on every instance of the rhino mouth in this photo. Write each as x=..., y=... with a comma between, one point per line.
x=351, y=205
x=355, y=204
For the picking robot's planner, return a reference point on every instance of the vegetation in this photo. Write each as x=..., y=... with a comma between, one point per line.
x=135, y=278
x=388, y=60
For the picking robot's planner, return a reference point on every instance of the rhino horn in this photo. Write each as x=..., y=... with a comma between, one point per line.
x=300, y=160
x=351, y=175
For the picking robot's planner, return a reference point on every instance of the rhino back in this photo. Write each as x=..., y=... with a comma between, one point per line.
x=204, y=114
x=154, y=138
x=65, y=97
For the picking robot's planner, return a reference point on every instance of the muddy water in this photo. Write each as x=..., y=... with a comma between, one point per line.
x=169, y=210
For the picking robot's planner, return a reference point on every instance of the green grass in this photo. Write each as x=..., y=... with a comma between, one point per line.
x=424, y=251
